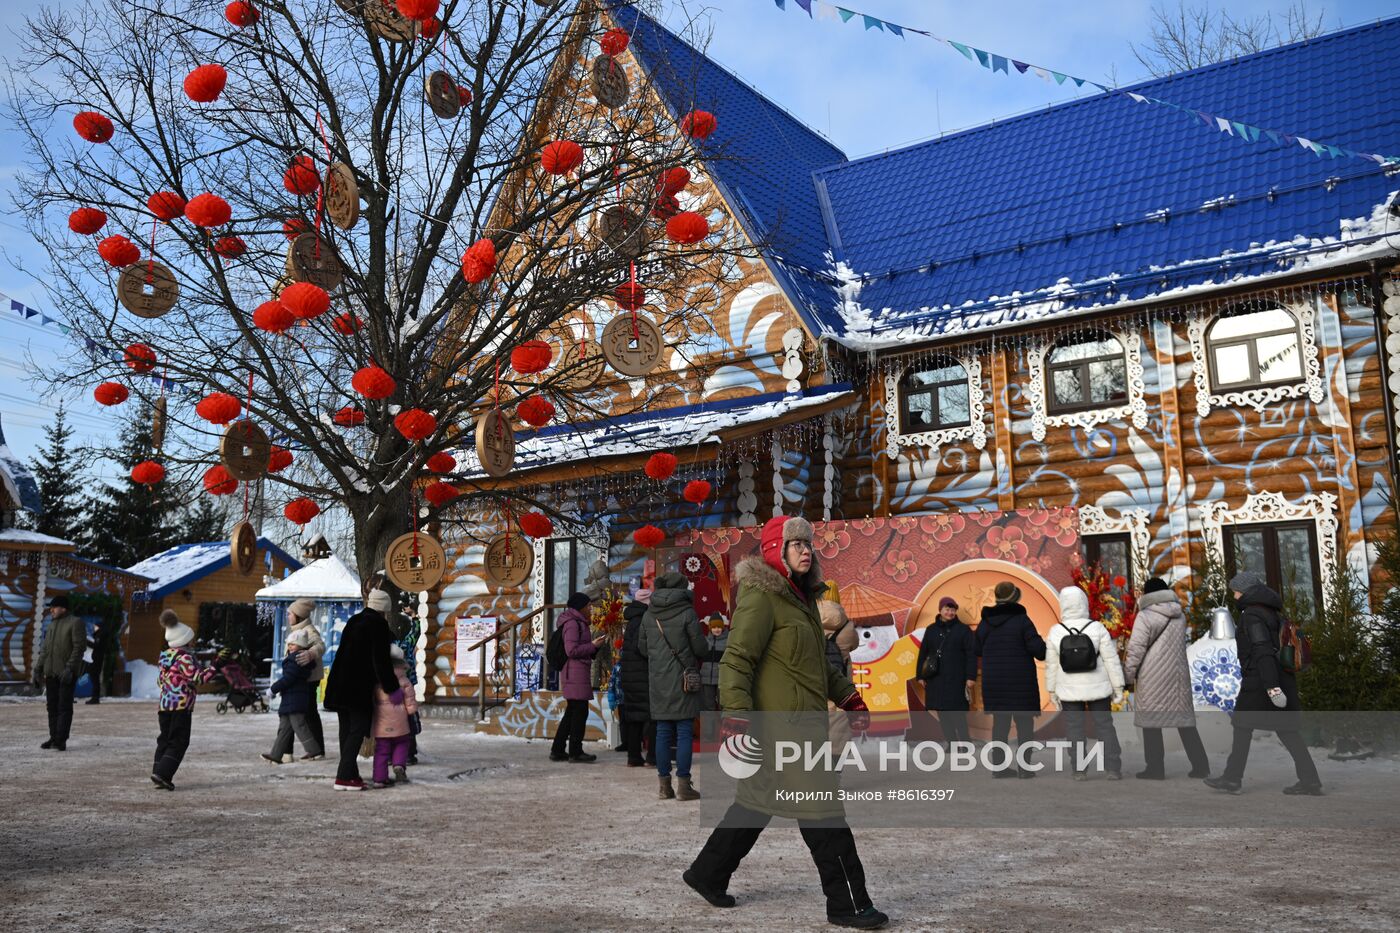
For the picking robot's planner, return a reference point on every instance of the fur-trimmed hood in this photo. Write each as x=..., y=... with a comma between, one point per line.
x=1157, y=598
x=756, y=572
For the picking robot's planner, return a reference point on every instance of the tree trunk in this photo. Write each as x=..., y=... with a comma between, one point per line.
x=377, y=523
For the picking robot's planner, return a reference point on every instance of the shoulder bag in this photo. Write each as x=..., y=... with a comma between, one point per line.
x=690, y=676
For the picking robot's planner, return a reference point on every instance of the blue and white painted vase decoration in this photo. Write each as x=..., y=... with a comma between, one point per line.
x=1215, y=665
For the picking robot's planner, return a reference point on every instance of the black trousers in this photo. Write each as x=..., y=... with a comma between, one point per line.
x=1293, y=741
x=637, y=733
x=953, y=722
x=60, y=703
x=174, y=739
x=354, y=728
x=1154, y=751
x=94, y=670
x=289, y=724
x=570, y=729
x=1001, y=729
x=832, y=846
x=313, y=719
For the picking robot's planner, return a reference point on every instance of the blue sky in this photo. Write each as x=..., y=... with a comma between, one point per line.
x=866, y=90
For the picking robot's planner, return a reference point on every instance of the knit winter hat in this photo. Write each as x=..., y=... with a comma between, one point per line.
x=300, y=637
x=169, y=618
x=302, y=608
x=1155, y=585
x=179, y=635
x=1007, y=592
x=396, y=652
x=947, y=601
x=379, y=601
x=579, y=601
x=1245, y=581
x=777, y=532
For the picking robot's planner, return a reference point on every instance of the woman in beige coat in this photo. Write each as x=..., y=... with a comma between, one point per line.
x=840, y=632
x=1157, y=665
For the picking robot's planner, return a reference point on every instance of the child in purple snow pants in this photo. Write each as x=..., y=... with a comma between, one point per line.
x=392, y=736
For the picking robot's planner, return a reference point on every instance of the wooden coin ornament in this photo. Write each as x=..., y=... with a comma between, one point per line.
x=580, y=365
x=610, y=85
x=243, y=548
x=158, y=424
x=387, y=22
x=415, y=562
x=312, y=259
x=442, y=96
x=342, y=195
x=143, y=298
x=509, y=559
x=632, y=344
x=245, y=450
x=495, y=442
x=624, y=231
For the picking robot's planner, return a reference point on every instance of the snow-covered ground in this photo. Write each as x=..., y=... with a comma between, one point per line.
x=492, y=836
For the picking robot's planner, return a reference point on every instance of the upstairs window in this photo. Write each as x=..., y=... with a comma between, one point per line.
x=1254, y=349
x=934, y=398
x=1086, y=374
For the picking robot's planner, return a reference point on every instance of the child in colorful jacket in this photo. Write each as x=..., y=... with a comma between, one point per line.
x=391, y=732
x=180, y=673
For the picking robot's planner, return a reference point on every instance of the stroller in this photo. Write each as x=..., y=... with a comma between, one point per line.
x=242, y=692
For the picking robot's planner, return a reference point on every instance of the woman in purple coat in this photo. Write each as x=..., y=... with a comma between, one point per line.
x=575, y=681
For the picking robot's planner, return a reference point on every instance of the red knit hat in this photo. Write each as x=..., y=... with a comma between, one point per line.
x=777, y=532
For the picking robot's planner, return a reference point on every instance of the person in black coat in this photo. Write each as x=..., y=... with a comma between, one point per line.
x=1268, y=697
x=98, y=642
x=361, y=663
x=1009, y=646
x=636, y=703
x=950, y=645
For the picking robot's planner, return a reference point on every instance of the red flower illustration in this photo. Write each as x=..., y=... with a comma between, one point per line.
x=904, y=524
x=1063, y=526
x=865, y=527
x=830, y=540
x=984, y=518
x=1006, y=543
x=899, y=565
x=722, y=539
x=942, y=527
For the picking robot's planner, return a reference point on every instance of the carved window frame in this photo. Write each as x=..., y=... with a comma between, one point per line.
x=975, y=430
x=1134, y=409
x=1260, y=397
x=1270, y=507
x=1132, y=522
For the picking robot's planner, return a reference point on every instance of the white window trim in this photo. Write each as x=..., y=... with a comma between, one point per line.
x=1135, y=409
x=1132, y=522
x=1258, y=398
x=1267, y=507
x=975, y=430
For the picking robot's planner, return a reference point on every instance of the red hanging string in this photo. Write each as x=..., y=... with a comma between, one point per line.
x=247, y=486
x=510, y=521
x=497, y=388
x=632, y=282
x=321, y=189
x=151, y=263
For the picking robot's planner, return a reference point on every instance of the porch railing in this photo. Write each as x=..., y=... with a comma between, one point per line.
x=498, y=686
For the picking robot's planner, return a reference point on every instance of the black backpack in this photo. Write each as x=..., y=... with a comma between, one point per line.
x=555, y=652
x=1078, y=653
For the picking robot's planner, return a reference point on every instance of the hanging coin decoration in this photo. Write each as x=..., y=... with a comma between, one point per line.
x=623, y=231
x=508, y=560
x=158, y=425
x=610, y=85
x=243, y=548
x=442, y=95
x=580, y=365
x=342, y=195
x=495, y=442
x=311, y=258
x=387, y=22
x=245, y=450
x=632, y=344
x=415, y=562
x=147, y=289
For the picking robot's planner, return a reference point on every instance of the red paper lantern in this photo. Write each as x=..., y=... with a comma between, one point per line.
x=561, y=156
x=208, y=210
x=147, y=473
x=464, y=95
x=241, y=13
x=415, y=424
x=110, y=393
x=301, y=177
x=440, y=493
x=687, y=228
x=630, y=296
x=699, y=124
x=349, y=417
x=614, y=42
x=305, y=300
x=167, y=205
x=93, y=126
x=373, y=382
x=230, y=247
x=479, y=261
x=346, y=323
x=218, y=408
x=532, y=356
x=218, y=482
x=648, y=536
x=536, y=411
x=118, y=251
x=87, y=220
x=140, y=358
x=301, y=511
x=418, y=9
x=661, y=465
x=294, y=227
x=535, y=525
x=205, y=83
x=442, y=462
x=673, y=180
x=428, y=28
x=696, y=491
x=666, y=207
x=279, y=459
x=273, y=318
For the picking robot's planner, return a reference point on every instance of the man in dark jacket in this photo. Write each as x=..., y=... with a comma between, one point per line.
x=98, y=642
x=950, y=654
x=58, y=668
x=1009, y=646
x=1268, y=697
x=636, y=708
x=361, y=662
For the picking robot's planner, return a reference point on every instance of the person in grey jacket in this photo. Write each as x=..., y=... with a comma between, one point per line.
x=1157, y=666
x=670, y=639
x=58, y=668
x=312, y=656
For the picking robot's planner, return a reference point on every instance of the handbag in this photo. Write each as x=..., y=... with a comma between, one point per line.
x=932, y=662
x=690, y=676
x=415, y=724
x=367, y=748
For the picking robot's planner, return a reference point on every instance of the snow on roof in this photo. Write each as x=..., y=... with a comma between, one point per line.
x=18, y=481
x=179, y=566
x=20, y=536
x=327, y=578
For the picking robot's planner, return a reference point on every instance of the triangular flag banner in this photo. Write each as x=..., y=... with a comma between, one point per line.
x=778, y=4
x=1059, y=78
x=898, y=31
x=1020, y=66
x=1224, y=125
x=845, y=14
x=1239, y=129
x=983, y=58
x=961, y=48
x=806, y=5
x=1000, y=64
x=1137, y=97
x=871, y=22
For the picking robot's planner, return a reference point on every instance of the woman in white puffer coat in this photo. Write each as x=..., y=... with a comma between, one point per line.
x=1090, y=692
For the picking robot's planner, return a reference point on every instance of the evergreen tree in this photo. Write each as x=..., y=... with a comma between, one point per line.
x=126, y=521
x=59, y=475
x=203, y=520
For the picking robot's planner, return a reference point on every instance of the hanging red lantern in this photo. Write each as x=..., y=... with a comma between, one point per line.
x=440, y=493
x=279, y=459
x=205, y=83
x=428, y=28
x=561, y=156
x=479, y=261
x=687, y=228
x=147, y=473
x=300, y=511
x=140, y=358
x=630, y=296
x=673, y=180
x=373, y=382
x=301, y=176
x=166, y=205
x=535, y=525
x=208, y=210
x=273, y=318
x=614, y=42
x=648, y=536
x=350, y=416
x=87, y=220
x=230, y=247
x=346, y=323
x=464, y=95
x=218, y=408
x=661, y=465
x=294, y=227
x=110, y=393
x=666, y=207
x=218, y=482
x=442, y=462
x=241, y=13
x=118, y=251
x=418, y=9
x=696, y=491
x=305, y=300
x=536, y=411
x=415, y=424
x=532, y=356
x=699, y=124
x=93, y=126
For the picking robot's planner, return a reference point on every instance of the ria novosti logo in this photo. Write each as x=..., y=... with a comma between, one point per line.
x=740, y=756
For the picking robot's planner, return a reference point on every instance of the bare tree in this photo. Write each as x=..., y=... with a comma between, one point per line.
x=345, y=85
x=1189, y=37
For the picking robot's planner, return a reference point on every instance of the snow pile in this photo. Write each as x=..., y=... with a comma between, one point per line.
x=20, y=536
x=143, y=679
x=179, y=562
x=327, y=578
x=18, y=481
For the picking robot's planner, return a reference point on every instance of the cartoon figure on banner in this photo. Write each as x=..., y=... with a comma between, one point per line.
x=709, y=584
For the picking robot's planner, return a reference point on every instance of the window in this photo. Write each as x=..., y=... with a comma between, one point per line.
x=1086, y=374
x=934, y=398
x=1110, y=553
x=566, y=568
x=1284, y=554
x=1254, y=348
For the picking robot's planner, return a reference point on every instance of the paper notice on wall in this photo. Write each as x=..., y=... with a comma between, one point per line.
x=469, y=632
